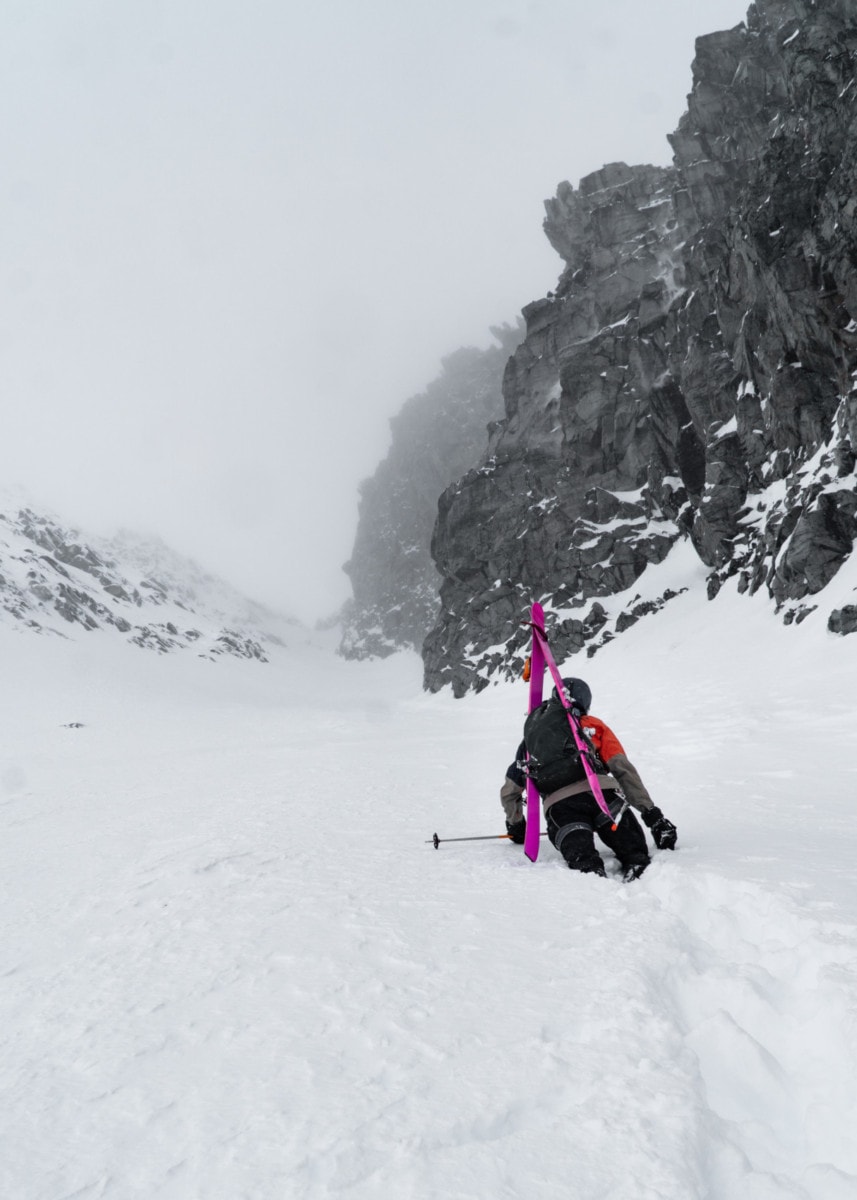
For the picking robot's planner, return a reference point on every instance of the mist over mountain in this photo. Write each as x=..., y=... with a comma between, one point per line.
x=691, y=379
x=436, y=436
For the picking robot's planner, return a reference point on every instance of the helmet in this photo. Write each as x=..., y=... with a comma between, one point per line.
x=577, y=693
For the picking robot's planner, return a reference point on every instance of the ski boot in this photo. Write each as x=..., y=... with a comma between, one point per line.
x=588, y=864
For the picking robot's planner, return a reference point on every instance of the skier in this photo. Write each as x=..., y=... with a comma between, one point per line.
x=571, y=811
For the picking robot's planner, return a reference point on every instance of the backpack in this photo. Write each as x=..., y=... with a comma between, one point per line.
x=554, y=760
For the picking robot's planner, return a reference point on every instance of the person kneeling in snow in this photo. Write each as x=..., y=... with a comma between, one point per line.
x=572, y=813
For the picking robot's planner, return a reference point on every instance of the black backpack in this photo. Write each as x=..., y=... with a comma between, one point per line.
x=554, y=760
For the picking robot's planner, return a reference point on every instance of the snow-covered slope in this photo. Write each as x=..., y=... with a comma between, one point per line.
x=54, y=580
x=233, y=968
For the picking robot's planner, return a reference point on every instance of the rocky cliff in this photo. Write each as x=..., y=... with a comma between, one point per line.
x=692, y=377
x=55, y=582
x=436, y=436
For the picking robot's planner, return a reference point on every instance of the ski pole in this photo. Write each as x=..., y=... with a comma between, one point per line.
x=485, y=837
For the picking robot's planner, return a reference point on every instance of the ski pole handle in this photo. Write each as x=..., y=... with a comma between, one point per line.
x=622, y=812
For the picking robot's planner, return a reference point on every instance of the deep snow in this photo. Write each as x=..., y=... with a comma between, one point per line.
x=233, y=968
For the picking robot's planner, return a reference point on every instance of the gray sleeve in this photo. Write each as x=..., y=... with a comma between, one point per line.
x=511, y=795
x=629, y=781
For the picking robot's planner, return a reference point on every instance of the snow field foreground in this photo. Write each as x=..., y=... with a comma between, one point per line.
x=232, y=968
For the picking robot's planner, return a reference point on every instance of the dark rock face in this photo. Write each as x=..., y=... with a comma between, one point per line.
x=694, y=374
x=435, y=437
x=843, y=620
x=560, y=508
x=52, y=582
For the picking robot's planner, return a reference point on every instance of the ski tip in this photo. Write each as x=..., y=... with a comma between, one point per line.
x=537, y=618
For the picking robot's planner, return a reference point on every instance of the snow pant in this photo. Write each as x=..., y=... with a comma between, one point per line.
x=573, y=822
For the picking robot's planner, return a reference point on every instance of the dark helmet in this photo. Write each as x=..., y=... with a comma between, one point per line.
x=577, y=693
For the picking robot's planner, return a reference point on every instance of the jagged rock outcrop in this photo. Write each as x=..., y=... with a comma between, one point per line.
x=54, y=582
x=435, y=437
x=693, y=376
x=558, y=508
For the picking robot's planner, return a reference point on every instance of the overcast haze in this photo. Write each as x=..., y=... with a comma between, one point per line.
x=237, y=237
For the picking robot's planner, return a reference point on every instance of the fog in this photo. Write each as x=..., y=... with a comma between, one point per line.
x=238, y=236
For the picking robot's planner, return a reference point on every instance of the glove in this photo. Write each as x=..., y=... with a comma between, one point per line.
x=517, y=830
x=663, y=831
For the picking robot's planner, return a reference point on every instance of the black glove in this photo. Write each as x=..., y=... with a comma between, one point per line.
x=663, y=831
x=517, y=830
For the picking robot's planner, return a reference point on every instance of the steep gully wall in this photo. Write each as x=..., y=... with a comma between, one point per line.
x=692, y=376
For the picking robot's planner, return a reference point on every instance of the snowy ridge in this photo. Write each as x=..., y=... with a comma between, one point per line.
x=54, y=581
x=660, y=583
x=234, y=968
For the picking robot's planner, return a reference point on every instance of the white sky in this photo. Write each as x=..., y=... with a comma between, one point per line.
x=238, y=236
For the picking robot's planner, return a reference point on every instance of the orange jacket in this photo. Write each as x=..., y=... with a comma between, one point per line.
x=602, y=737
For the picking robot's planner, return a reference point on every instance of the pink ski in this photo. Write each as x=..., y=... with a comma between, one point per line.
x=537, y=675
x=548, y=660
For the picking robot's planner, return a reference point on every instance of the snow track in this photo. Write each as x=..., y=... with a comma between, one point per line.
x=233, y=970
x=762, y=1003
